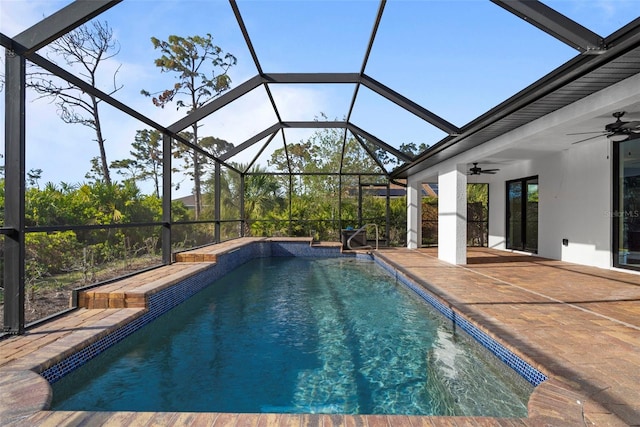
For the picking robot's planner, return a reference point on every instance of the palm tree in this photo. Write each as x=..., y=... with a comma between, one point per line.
x=262, y=195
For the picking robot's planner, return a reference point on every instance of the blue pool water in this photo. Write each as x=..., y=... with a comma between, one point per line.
x=299, y=335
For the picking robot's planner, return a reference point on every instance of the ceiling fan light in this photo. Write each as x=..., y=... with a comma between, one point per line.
x=618, y=137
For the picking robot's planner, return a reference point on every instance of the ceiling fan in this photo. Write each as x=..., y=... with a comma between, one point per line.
x=617, y=131
x=476, y=170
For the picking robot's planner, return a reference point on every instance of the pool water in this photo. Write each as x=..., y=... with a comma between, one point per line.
x=299, y=335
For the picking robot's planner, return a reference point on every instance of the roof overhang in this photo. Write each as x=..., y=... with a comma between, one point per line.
x=575, y=80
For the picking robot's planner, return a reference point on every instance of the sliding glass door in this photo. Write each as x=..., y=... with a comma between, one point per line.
x=522, y=214
x=626, y=205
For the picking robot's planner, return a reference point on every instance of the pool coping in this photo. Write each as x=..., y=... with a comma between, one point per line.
x=24, y=376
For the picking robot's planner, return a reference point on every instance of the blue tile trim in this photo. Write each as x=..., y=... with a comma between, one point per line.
x=304, y=249
x=531, y=374
x=166, y=299
x=158, y=304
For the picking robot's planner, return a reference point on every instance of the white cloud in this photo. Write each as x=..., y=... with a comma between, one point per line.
x=18, y=15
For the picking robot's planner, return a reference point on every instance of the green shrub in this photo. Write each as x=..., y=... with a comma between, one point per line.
x=56, y=252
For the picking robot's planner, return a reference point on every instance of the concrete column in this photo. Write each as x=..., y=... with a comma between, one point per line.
x=414, y=215
x=452, y=215
x=497, y=215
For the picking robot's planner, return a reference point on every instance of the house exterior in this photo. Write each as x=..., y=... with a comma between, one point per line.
x=568, y=180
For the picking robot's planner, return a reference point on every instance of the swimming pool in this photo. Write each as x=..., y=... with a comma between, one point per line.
x=299, y=335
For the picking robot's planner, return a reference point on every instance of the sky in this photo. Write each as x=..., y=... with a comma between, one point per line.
x=456, y=58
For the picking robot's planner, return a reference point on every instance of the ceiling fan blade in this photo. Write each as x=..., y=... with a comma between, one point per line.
x=630, y=125
x=587, y=133
x=587, y=139
x=489, y=171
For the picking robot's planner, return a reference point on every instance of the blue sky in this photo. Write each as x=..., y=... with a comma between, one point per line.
x=457, y=58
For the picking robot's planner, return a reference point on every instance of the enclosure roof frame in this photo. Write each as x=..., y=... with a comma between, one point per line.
x=601, y=62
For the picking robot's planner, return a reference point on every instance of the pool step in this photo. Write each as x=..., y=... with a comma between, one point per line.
x=210, y=253
x=133, y=292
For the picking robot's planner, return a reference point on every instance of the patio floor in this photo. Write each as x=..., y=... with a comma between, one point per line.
x=579, y=325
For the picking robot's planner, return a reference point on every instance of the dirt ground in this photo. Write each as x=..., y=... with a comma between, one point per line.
x=43, y=304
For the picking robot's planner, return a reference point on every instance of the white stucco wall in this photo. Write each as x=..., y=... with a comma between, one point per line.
x=574, y=203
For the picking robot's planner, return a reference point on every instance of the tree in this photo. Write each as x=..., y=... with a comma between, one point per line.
x=33, y=176
x=263, y=197
x=215, y=146
x=322, y=152
x=84, y=48
x=201, y=72
x=146, y=163
x=95, y=174
x=128, y=168
x=390, y=160
x=194, y=163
